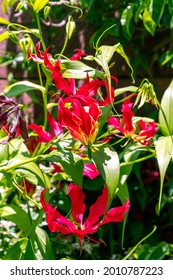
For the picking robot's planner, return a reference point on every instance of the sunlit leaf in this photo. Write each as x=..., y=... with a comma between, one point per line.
x=4, y=21
x=44, y=244
x=39, y=4
x=149, y=23
x=79, y=70
x=18, y=88
x=4, y=36
x=107, y=163
x=12, y=213
x=126, y=19
x=165, y=113
x=164, y=152
x=17, y=251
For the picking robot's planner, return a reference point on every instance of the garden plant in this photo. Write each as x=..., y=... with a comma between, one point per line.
x=89, y=177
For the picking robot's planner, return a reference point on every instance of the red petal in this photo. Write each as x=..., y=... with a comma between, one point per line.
x=97, y=209
x=78, y=207
x=55, y=221
x=55, y=127
x=117, y=214
x=43, y=136
x=90, y=170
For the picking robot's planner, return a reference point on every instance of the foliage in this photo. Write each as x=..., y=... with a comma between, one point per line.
x=93, y=153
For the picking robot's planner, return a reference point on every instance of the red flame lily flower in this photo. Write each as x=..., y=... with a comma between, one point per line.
x=80, y=117
x=147, y=130
x=58, y=223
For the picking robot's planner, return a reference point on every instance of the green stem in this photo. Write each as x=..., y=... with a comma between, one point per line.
x=137, y=160
x=40, y=31
x=64, y=46
x=15, y=165
x=44, y=95
x=143, y=239
x=24, y=194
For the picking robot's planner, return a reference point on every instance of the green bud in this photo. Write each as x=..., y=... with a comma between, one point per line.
x=70, y=27
x=47, y=10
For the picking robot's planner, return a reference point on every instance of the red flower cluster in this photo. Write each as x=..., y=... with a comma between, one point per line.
x=78, y=111
x=146, y=132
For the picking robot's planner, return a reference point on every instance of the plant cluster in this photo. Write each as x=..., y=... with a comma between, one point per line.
x=70, y=183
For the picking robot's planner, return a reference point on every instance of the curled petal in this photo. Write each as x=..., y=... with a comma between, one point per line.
x=55, y=221
x=98, y=209
x=116, y=214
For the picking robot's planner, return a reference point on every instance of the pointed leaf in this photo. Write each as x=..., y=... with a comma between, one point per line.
x=4, y=21
x=126, y=19
x=30, y=252
x=164, y=150
x=119, y=49
x=156, y=9
x=44, y=244
x=18, y=88
x=16, y=215
x=78, y=70
x=17, y=251
x=39, y=4
x=4, y=36
x=123, y=194
x=165, y=113
x=107, y=163
x=149, y=23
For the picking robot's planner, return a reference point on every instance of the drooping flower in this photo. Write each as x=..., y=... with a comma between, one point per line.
x=96, y=218
x=39, y=55
x=80, y=117
x=11, y=118
x=126, y=126
x=78, y=55
x=89, y=88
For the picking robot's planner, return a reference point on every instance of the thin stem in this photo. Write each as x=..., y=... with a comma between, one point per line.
x=40, y=31
x=137, y=160
x=135, y=247
x=24, y=194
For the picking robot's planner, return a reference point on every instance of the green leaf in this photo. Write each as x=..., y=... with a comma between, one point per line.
x=44, y=244
x=4, y=21
x=123, y=194
x=170, y=6
x=73, y=165
x=32, y=173
x=39, y=4
x=30, y=251
x=148, y=22
x=159, y=252
x=18, y=88
x=156, y=9
x=107, y=162
x=119, y=49
x=4, y=36
x=164, y=150
x=126, y=19
x=119, y=91
x=78, y=70
x=165, y=113
x=17, y=251
x=16, y=215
